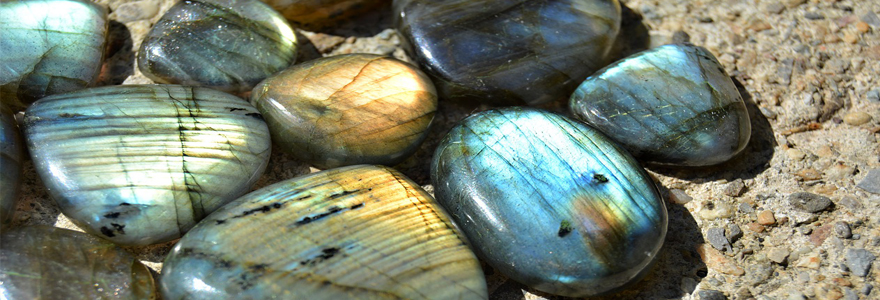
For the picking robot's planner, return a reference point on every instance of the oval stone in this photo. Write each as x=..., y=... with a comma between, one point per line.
x=315, y=15
x=672, y=105
x=364, y=232
x=508, y=51
x=11, y=159
x=141, y=164
x=44, y=262
x=49, y=47
x=229, y=45
x=549, y=201
x=348, y=109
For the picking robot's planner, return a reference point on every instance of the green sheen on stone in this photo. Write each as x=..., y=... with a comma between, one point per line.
x=52, y=263
x=49, y=47
x=228, y=45
x=142, y=164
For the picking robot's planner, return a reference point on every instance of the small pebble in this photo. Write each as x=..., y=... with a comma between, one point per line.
x=859, y=261
x=871, y=18
x=810, y=15
x=733, y=233
x=678, y=196
x=746, y=208
x=843, y=230
x=796, y=296
x=795, y=154
x=809, y=174
x=805, y=230
x=862, y=27
x=856, y=118
x=778, y=255
x=716, y=238
x=755, y=227
x=866, y=290
x=809, y=202
x=849, y=294
x=871, y=182
x=711, y=295
x=839, y=171
x=873, y=95
x=765, y=217
x=734, y=188
x=712, y=211
x=774, y=8
x=851, y=203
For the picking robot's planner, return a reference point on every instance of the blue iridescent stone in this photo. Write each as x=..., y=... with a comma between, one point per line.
x=672, y=105
x=508, y=51
x=49, y=47
x=142, y=164
x=549, y=201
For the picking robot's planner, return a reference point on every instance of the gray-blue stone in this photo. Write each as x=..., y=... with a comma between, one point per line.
x=859, y=261
x=673, y=104
x=871, y=182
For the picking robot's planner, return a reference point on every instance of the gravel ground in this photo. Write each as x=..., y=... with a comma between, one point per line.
x=796, y=216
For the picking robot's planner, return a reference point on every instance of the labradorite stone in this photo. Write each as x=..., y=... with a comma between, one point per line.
x=508, y=51
x=549, y=201
x=315, y=15
x=141, y=164
x=358, y=232
x=11, y=158
x=673, y=105
x=348, y=109
x=49, y=47
x=228, y=45
x=52, y=263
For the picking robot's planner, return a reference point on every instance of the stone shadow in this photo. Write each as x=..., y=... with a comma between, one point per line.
x=753, y=160
x=118, y=56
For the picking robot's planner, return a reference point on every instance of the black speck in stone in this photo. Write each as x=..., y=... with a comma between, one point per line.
x=600, y=178
x=255, y=116
x=118, y=227
x=356, y=206
x=712, y=295
x=564, y=228
x=234, y=109
x=106, y=231
x=124, y=204
x=263, y=209
x=220, y=222
x=702, y=273
x=112, y=215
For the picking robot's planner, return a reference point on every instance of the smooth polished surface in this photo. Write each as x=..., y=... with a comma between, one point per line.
x=508, y=51
x=141, y=164
x=11, y=159
x=315, y=15
x=673, y=105
x=348, y=109
x=228, y=45
x=549, y=202
x=49, y=47
x=358, y=232
x=52, y=263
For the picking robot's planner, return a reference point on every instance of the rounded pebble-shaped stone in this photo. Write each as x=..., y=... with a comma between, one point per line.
x=358, y=232
x=228, y=45
x=141, y=164
x=508, y=51
x=49, y=47
x=348, y=109
x=52, y=263
x=319, y=14
x=672, y=105
x=11, y=159
x=549, y=201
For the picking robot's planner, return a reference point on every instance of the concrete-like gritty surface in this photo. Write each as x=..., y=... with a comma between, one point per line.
x=740, y=230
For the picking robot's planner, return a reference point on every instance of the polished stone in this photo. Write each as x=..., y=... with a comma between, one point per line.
x=358, y=232
x=11, y=159
x=228, y=45
x=141, y=164
x=549, y=201
x=348, y=109
x=49, y=47
x=508, y=51
x=672, y=105
x=321, y=14
x=52, y=263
